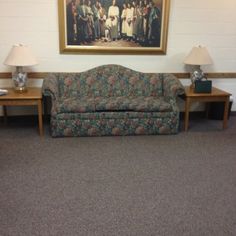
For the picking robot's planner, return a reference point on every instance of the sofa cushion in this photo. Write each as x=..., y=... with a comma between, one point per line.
x=150, y=104
x=147, y=104
x=73, y=105
x=112, y=104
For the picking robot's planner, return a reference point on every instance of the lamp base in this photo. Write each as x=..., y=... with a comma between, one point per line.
x=20, y=89
x=19, y=79
x=197, y=75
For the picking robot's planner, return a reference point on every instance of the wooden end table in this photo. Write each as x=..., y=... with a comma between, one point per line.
x=32, y=97
x=216, y=95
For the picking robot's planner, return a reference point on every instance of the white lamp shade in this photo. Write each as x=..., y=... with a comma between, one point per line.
x=198, y=56
x=20, y=55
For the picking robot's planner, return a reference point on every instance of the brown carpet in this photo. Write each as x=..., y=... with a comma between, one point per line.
x=176, y=185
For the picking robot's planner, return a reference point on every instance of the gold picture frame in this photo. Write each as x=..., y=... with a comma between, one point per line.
x=76, y=16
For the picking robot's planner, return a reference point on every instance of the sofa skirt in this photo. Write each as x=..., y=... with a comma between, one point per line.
x=114, y=123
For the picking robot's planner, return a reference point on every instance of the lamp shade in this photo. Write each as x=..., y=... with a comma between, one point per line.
x=198, y=56
x=20, y=55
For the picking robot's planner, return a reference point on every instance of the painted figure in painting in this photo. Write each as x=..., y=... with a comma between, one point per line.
x=113, y=14
x=82, y=22
x=96, y=20
x=102, y=19
x=71, y=12
x=154, y=25
x=129, y=21
x=123, y=21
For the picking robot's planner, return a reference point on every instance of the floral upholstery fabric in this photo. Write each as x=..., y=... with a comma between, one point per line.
x=131, y=104
x=113, y=126
x=113, y=100
x=73, y=105
x=112, y=104
x=114, y=115
x=111, y=80
x=90, y=104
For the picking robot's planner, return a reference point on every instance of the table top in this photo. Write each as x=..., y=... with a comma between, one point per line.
x=31, y=93
x=189, y=92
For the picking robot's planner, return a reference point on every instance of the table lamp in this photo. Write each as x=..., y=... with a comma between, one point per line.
x=20, y=56
x=197, y=57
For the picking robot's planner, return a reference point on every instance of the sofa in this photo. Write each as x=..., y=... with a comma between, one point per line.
x=112, y=100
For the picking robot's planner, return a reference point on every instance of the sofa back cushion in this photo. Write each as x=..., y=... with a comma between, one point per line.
x=110, y=81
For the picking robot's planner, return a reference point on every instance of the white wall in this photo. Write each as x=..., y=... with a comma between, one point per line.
x=211, y=23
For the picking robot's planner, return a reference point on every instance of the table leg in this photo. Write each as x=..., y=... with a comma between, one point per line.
x=44, y=108
x=5, y=114
x=40, y=117
x=207, y=109
x=186, y=115
x=226, y=110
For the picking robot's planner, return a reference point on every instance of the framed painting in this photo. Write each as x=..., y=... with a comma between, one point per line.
x=113, y=26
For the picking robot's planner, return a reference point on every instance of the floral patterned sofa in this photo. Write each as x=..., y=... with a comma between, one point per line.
x=112, y=100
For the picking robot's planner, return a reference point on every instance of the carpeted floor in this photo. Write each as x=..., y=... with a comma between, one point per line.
x=176, y=185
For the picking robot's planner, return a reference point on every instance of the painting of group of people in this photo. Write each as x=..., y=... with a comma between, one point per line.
x=132, y=20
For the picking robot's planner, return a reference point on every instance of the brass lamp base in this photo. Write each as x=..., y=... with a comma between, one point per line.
x=20, y=89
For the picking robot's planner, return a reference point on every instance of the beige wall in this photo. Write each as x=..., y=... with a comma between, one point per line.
x=203, y=22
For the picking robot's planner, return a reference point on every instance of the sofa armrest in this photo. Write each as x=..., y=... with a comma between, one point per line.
x=172, y=86
x=50, y=86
